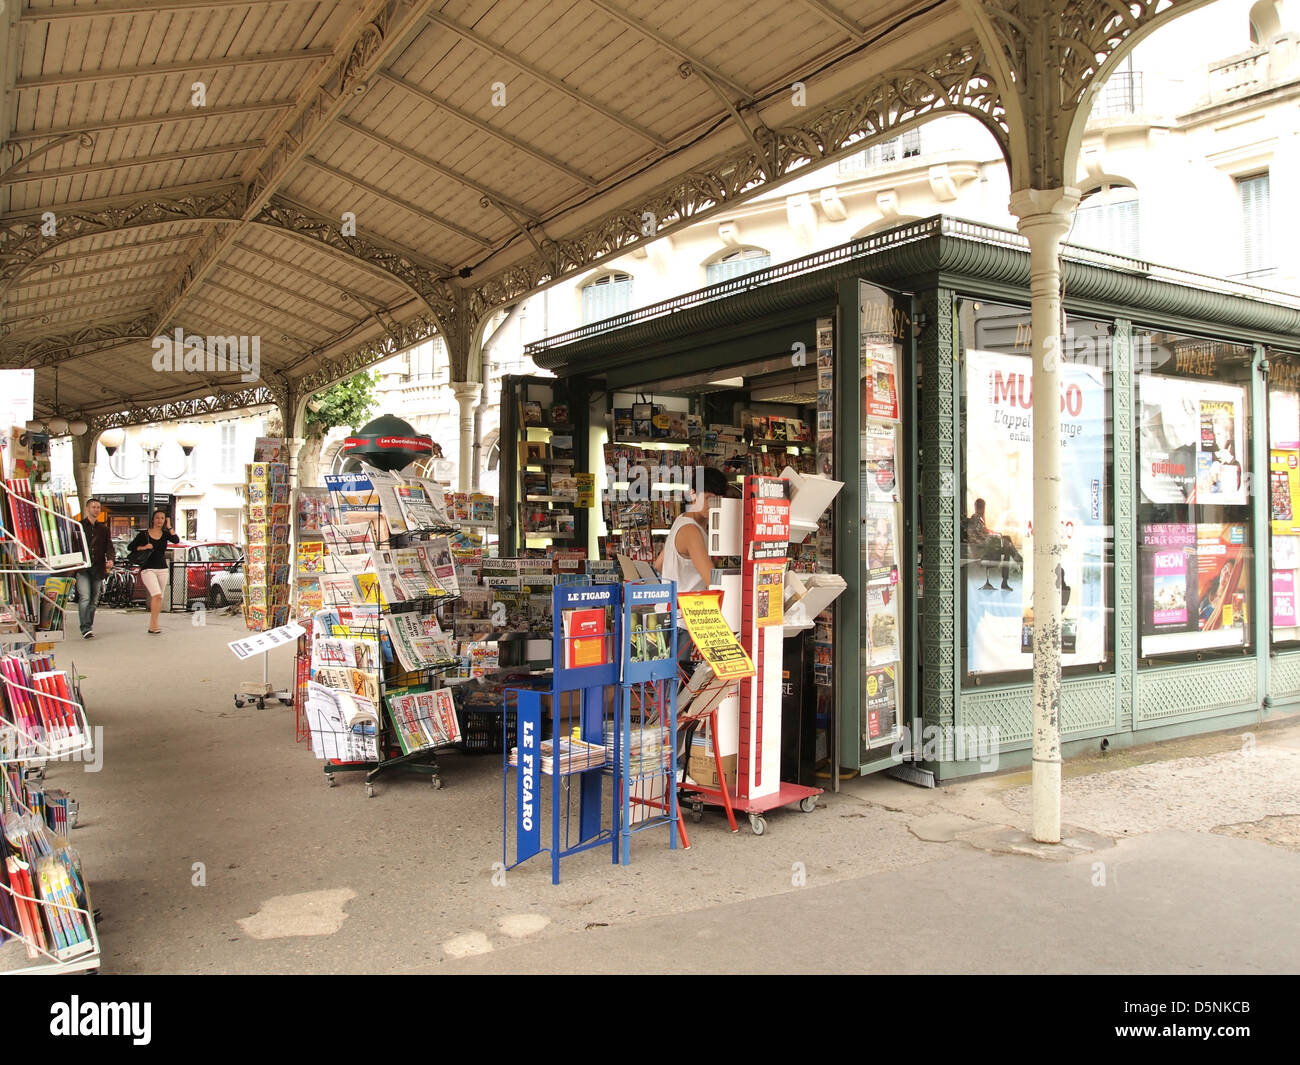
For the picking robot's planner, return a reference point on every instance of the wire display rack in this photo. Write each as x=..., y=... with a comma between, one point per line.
x=377, y=715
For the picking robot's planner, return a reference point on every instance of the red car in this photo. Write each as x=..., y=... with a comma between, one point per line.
x=193, y=565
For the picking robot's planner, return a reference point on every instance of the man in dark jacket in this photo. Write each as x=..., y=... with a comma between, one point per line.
x=90, y=580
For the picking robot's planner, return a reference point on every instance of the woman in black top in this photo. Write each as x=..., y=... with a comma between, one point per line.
x=154, y=571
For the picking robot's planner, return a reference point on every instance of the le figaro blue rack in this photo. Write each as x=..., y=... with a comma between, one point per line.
x=614, y=656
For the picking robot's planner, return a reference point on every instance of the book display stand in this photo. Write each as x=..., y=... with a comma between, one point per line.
x=374, y=701
x=44, y=901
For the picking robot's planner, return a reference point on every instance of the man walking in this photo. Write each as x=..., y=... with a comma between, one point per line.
x=100, y=549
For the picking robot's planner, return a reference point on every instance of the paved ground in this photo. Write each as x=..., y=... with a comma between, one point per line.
x=213, y=845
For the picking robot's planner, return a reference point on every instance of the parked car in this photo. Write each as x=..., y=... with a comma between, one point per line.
x=227, y=586
x=200, y=561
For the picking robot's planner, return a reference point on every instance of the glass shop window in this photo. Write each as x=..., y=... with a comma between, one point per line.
x=997, y=495
x=1193, y=429
x=1284, y=497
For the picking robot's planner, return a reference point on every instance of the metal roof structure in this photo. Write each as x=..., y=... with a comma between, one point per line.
x=343, y=180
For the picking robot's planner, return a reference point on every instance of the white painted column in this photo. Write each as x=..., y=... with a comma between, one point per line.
x=1044, y=218
x=466, y=393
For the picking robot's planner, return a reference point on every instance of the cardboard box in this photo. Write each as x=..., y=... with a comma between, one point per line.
x=703, y=769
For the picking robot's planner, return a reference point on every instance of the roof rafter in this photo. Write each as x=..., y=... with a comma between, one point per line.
x=381, y=27
x=125, y=164
x=72, y=275
x=193, y=114
x=191, y=66
x=439, y=19
x=670, y=45
x=437, y=167
x=406, y=205
x=464, y=116
x=131, y=7
x=281, y=264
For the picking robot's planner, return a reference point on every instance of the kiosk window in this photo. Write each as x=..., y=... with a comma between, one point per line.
x=1193, y=521
x=998, y=493
x=1284, y=496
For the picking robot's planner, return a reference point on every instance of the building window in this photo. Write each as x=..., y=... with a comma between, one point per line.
x=1109, y=223
x=228, y=452
x=427, y=363
x=606, y=296
x=905, y=146
x=1256, y=245
x=735, y=263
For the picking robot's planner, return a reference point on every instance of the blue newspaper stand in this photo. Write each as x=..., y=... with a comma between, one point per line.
x=583, y=687
x=645, y=775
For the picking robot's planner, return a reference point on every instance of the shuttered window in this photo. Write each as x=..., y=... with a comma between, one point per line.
x=1111, y=227
x=1256, y=244
x=229, y=466
x=606, y=297
x=744, y=261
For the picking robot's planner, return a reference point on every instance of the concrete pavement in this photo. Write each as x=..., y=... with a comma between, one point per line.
x=213, y=845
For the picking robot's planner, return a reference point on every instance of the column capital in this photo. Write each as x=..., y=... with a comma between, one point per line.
x=1036, y=207
x=466, y=390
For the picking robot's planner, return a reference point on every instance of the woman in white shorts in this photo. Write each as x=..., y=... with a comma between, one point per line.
x=153, y=573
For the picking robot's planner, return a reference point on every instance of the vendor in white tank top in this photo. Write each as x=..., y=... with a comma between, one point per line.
x=685, y=556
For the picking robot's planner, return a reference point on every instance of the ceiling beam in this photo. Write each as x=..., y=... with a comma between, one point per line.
x=191, y=66
x=445, y=105
x=108, y=8
x=397, y=201
x=667, y=43
x=438, y=168
x=439, y=19
x=225, y=313
x=838, y=17
x=113, y=249
x=265, y=282
x=193, y=114
x=106, y=417
x=43, y=350
x=59, y=278
x=282, y=264
x=123, y=201
x=380, y=28
x=125, y=164
x=310, y=323
x=81, y=306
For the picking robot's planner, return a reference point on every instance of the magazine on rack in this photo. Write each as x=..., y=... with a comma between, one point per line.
x=439, y=565
x=401, y=576
x=882, y=625
x=424, y=719
x=343, y=727
x=418, y=641
x=422, y=507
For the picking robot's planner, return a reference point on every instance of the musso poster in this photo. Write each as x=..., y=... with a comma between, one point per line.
x=997, y=532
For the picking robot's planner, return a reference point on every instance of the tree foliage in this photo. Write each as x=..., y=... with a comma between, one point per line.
x=346, y=403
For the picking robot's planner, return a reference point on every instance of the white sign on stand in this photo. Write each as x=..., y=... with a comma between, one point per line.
x=261, y=642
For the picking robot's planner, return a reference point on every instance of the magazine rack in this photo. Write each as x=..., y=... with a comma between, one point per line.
x=44, y=901
x=642, y=753
x=403, y=734
x=583, y=695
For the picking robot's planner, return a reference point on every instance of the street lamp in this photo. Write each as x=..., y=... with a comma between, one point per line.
x=151, y=442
